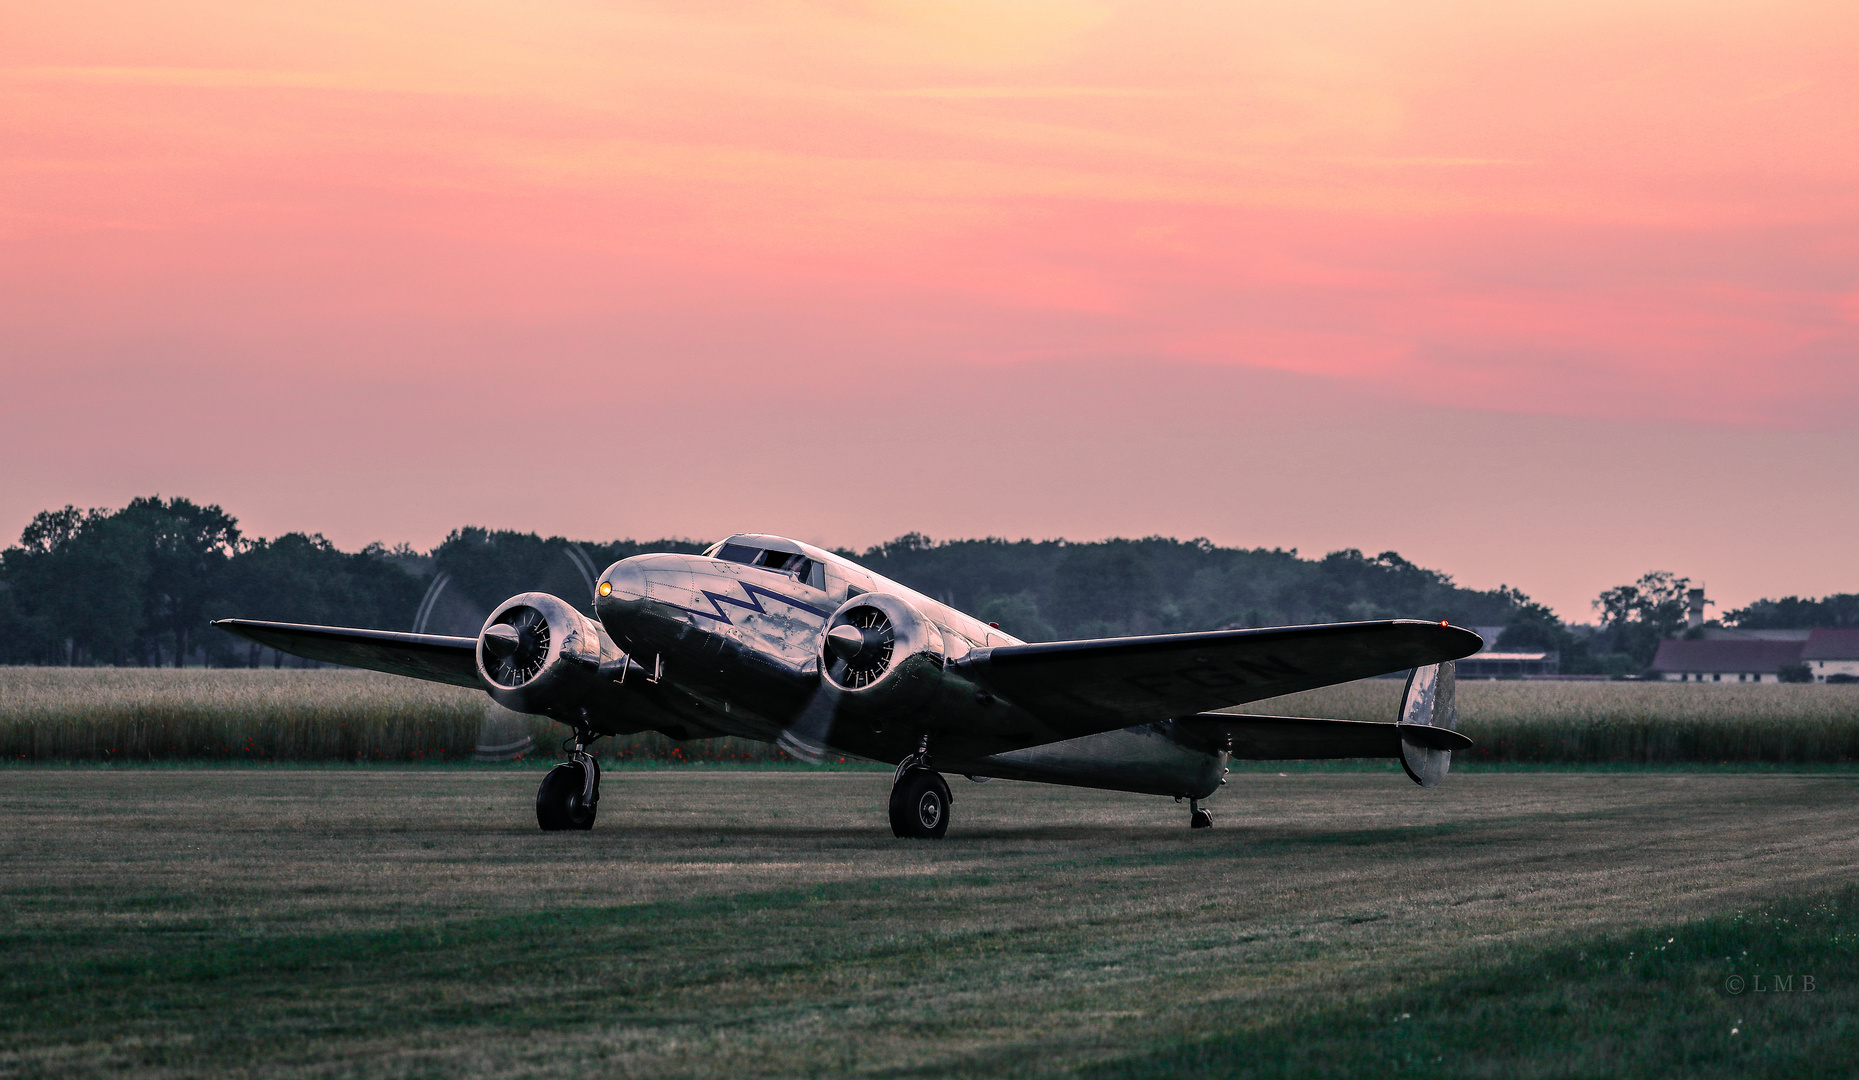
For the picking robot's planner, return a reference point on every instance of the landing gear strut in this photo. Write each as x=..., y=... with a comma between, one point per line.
x=570, y=793
x=1199, y=817
x=919, y=798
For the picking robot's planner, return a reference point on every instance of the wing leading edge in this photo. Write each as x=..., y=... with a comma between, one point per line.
x=1082, y=687
x=420, y=656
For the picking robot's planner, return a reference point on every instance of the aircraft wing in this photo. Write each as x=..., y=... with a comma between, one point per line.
x=421, y=656
x=1082, y=687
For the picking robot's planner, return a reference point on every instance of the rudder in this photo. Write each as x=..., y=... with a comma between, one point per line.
x=1428, y=704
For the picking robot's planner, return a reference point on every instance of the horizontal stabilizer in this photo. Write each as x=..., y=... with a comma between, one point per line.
x=419, y=656
x=1284, y=738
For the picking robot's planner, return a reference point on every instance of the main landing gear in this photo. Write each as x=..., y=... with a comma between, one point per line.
x=919, y=799
x=1199, y=817
x=570, y=793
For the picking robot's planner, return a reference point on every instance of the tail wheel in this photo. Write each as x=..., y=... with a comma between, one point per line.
x=560, y=801
x=920, y=806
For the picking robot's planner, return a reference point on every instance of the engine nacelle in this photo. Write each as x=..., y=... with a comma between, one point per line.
x=537, y=654
x=882, y=655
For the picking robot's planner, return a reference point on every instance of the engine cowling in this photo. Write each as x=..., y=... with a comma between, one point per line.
x=882, y=655
x=537, y=654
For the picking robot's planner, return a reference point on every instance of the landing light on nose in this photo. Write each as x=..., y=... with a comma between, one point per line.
x=846, y=641
x=624, y=582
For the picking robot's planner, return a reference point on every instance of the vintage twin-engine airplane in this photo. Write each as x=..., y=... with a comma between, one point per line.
x=764, y=638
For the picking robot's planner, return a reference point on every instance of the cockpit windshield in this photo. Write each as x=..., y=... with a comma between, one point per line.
x=741, y=553
x=787, y=562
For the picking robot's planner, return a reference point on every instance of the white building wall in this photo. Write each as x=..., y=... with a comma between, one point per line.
x=1722, y=677
x=1824, y=668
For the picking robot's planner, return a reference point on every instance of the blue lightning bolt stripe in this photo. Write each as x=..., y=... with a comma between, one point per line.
x=717, y=600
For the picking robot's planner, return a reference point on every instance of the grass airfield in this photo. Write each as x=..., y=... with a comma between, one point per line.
x=365, y=922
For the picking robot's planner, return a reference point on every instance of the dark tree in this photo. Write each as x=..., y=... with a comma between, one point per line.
x=138, y=585
x=298, y=578
x=1795, y=613
x=1158, y=584
x=188, y=547
x=1636, y=617
x=75, y=589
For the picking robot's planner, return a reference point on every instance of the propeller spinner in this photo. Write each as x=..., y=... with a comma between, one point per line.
x=861, y=647
x=516, y=650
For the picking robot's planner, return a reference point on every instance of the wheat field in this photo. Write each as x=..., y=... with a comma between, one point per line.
x=1621, y=722
x=290, y=715
x=326, y=715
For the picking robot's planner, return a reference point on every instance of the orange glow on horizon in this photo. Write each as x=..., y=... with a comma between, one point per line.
x=1652, y=189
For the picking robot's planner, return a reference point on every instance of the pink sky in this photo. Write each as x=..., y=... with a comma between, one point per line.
x=1546, y=294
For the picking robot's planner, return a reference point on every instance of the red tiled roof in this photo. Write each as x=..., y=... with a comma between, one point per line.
x=1832, y=645
x=1762, y=656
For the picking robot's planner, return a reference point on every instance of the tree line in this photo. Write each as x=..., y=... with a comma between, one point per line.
x=139, y=586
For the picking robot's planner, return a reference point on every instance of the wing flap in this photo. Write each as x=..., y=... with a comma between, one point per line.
x=1283, y=738
x=420, y=656
x=1080, y=687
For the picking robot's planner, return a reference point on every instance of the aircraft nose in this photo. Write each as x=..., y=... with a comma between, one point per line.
x=622, y=583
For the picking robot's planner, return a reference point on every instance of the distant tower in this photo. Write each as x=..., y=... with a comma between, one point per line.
x=1694, y=608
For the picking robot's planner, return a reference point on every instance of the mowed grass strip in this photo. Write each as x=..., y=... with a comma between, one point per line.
x=383, y=923
x=1772, y=990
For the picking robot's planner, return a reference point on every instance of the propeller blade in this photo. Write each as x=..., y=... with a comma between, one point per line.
x=805, y=738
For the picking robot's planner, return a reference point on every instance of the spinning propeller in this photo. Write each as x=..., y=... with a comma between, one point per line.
x=453, y=606
x=805, y=738
x=858, y=652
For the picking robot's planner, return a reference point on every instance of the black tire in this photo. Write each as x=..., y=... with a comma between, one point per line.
x=1202, y=818
x=920, y=806
x=558, y=800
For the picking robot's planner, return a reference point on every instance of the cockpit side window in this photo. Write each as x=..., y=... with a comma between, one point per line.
x=779, y=560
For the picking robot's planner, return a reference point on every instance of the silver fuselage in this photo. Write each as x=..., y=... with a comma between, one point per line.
x=721, y=648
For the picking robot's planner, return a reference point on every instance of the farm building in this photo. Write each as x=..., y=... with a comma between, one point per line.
x=1720, y=660
x=1507, y=664
x=1493, y=662
x=1832, y=653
